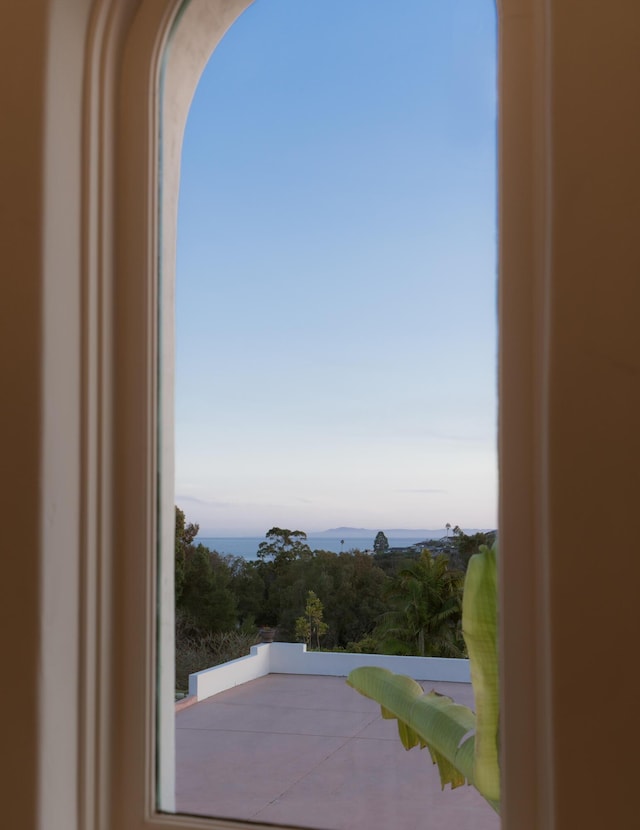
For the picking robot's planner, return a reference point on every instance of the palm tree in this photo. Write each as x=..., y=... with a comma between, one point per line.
x=426, y=617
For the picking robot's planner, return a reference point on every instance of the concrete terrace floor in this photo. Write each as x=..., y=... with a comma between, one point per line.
x=310, y=751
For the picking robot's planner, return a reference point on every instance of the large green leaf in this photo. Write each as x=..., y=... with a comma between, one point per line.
x=480, y=631
x=430, y=720
x=435, y=721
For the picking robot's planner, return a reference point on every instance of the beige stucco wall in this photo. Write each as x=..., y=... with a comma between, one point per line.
x=570, y=405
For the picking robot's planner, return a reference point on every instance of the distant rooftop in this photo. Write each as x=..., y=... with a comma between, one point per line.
x=310, y=751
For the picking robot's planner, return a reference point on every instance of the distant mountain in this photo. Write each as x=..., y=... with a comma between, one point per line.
x=397, y=533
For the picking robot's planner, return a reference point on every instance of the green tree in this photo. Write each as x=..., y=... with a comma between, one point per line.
x=206, y=596
x=311, y=625
x=468, y=545
x=354, y=606
x=381, y=543
x=185, y=534
x=283, y=545
x=278, y=556
x=349, y=585
x=248, y=588
x=426, y=617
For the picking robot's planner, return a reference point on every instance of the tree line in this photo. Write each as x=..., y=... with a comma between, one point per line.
x=408, y=603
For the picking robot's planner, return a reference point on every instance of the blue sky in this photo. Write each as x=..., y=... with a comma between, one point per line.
x=336, y=270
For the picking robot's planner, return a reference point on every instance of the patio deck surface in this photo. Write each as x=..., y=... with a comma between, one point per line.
x=310, y=751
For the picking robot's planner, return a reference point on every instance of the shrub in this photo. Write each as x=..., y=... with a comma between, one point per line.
x=196, y=650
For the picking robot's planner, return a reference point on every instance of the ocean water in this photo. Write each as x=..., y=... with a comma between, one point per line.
x=247, y=546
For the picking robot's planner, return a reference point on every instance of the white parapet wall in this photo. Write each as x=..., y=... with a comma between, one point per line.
x=293, y=658
x=209, y=682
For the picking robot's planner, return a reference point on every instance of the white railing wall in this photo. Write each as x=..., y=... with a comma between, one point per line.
x=293, y=658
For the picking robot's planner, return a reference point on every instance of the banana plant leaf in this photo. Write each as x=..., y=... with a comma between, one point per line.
x=464, y=745
x=480, y=632
x=432, y=720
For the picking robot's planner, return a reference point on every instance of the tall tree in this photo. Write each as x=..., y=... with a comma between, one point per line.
x=380, y=543
x=283, y=545
x=426, y=617
x=185, y=534
x=311, y=625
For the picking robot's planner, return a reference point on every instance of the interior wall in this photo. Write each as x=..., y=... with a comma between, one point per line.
x=41, y=64
x=594, y=409
x=21, y=337
x=589, y=453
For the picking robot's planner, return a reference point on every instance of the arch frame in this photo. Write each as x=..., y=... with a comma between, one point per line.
x=146, y=237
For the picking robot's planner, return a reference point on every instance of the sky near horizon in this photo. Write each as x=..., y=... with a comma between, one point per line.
x=336, y=271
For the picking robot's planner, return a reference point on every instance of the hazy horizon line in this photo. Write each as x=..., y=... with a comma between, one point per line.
x=241, y=534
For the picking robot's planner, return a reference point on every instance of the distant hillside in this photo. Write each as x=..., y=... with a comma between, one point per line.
x=397, y=533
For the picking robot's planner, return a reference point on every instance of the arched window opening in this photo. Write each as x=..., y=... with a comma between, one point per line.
x=336, y=347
